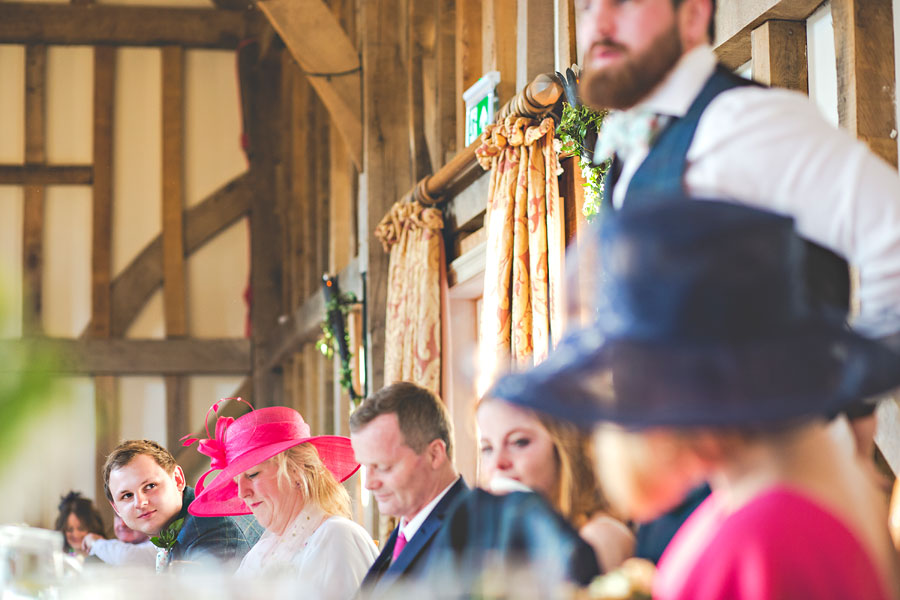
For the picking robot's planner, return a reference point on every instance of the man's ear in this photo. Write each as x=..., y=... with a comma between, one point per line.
x=178, y=474
x=693, y=22
x=437, y=453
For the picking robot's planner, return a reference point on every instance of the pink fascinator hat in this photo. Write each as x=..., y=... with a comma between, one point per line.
x=243, y=443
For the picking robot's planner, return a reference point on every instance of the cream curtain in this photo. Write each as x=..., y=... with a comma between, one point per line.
x=523, y=311
x=411, y=233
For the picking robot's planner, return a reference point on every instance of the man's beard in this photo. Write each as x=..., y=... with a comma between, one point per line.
x=623, y=85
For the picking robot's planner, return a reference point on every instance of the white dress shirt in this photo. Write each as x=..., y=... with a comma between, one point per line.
x=771, y=148
x=117, y=552
x=325, y=556
x=409, y=529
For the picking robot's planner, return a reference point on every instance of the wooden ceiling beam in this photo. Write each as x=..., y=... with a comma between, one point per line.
x=316, y=40
x=736, y=20
x=106, y=24
x=113, y=356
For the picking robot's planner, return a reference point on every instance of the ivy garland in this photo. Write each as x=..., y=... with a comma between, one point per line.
x=577, y=129
x=328, y=344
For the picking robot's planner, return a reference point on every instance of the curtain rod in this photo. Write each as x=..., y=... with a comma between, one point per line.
x=534, y=101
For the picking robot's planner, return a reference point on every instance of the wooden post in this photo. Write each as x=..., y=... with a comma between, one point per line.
x=420, y=49
x=261, y=88
x=440, y=80
x=536, y=45
x=385, y=156
x=564, y=19
x=864, y=48
x=33, y=217
x=499, y=29
x=468, y=57
x=779, y=55
x=174, y=283
x=107, y=411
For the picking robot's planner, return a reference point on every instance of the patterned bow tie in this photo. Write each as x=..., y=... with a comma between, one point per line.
x=628, y=131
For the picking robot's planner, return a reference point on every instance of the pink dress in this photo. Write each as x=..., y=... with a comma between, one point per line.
x=780, y=546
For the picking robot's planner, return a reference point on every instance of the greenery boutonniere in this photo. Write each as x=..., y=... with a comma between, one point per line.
x=168, y=536
x=577, y=131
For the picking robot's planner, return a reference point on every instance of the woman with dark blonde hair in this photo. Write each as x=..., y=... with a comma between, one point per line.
x=291, y=482
x=77, y=517
x=522, y=449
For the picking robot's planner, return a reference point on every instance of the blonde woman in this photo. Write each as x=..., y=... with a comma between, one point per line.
x=522, y=448
x=290, y=482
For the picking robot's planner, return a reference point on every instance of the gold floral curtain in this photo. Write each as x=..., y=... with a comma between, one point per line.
x=411, y=233
x=522, y=312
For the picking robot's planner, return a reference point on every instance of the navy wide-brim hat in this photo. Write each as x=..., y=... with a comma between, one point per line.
x=703, y=319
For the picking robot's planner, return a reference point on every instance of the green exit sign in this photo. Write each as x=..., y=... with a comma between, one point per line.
x=481, y=105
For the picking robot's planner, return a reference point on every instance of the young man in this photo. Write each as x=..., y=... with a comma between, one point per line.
x=683, y=124
x=402, y=437
x=147, y=489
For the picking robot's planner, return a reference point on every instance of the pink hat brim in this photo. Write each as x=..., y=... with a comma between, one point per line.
x=220, y=496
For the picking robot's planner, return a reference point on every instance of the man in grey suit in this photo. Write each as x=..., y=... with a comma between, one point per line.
x=403, y=438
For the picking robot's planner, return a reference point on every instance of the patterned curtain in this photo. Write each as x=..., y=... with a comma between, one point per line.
x=411, y=233
x=523, y=310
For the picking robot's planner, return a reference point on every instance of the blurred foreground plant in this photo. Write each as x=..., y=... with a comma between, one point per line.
x=26, y=385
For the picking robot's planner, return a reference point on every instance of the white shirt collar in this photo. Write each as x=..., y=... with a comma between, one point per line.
x=409, y=529
x=674, y=95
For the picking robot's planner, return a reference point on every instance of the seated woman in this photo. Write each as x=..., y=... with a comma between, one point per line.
x=522, y=448
x=77, y=517
x=290, y=481
x=707, y=362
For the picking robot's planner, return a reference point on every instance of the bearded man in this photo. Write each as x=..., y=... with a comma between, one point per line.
x=682, y=124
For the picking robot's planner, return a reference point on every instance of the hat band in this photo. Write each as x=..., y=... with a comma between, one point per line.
x=244, y=440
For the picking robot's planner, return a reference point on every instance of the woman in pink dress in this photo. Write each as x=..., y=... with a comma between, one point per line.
x=708, y=362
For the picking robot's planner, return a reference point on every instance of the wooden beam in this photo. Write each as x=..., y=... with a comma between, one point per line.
x=468, y=57
x=321, y=47
x=174, y=287
x=736, y=20
x=32, y=174
x=420, y=49
x=33, y=209
x=303, y=325
x=138, y=357
x=500, y=23
x=107, y=422
x=864, y=49
x=107, y=24
x=174, y=279
x=779, y=55
x=262, y=82
x=101, y=233
x=441, y=125
x=386, y=158
x=341, y=222
x=564, y=19
x=143, y=276
x=536, y=46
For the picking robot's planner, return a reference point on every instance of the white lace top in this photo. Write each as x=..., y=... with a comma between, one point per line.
x=327, y=556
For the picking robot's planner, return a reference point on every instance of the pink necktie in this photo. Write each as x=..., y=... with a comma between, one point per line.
x=399, y=545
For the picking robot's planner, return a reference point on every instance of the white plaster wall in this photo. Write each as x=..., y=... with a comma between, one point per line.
x=217, y=274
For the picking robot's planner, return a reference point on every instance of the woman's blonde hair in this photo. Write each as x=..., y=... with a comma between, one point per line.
x=301, y=467
x=578, y=495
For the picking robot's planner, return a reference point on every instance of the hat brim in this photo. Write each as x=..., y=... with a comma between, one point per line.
x=220, y=496
x=811, y=369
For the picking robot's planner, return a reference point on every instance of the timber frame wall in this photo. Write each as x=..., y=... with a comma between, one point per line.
x=347, y=104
